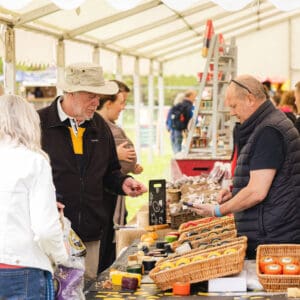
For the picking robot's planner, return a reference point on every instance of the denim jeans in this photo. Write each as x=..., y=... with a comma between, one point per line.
x=23, y=284
x=176, y=140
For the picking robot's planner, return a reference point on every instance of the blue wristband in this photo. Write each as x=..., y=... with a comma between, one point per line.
x=217, y=211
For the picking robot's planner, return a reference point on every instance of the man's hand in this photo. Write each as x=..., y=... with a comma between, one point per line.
x=204, y=210
x=125, y=153
x=223, y=196
x=133, y=188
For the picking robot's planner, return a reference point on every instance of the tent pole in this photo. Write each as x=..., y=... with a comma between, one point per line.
x=161, y=100
x=60, y=57
x=137, y=100
x=9, y=67
x=151, y=111
x=96, y=55
x=118, y=76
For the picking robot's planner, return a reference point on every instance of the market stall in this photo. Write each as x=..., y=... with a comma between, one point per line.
x=194, y=256
x=110, y=283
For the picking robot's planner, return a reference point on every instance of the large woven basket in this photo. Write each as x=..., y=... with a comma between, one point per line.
x=202, y=270
x=178, y=218
x=210, y=232
x=224, y=221
x=241, y=240
x=199, y=240
x=277, y=283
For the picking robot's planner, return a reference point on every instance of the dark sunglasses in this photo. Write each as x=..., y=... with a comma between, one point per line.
x=241, y=85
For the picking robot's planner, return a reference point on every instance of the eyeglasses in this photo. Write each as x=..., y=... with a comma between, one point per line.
x=241, y=85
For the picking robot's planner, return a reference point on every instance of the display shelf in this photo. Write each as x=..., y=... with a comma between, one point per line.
x=210, y=117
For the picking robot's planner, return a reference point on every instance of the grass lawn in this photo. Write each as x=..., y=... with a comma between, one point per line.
x=159, y=168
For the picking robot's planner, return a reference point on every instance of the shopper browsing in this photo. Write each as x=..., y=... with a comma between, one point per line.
x=265, y=198
x=83, y=155
x=31, y=234
x=178, y=118
x=110, y=108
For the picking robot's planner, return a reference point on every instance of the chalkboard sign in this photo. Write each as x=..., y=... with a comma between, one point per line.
x=157, y=202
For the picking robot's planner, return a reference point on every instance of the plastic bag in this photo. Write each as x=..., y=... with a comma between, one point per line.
x=69, y=279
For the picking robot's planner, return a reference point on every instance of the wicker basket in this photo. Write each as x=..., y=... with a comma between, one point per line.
x=224, y=221
x=198, y=221
x=196, y=241
x=179, y=218
x=184, y=236
x=201, y=270
x=241, y=240
x=277, y=283
x=173, y=195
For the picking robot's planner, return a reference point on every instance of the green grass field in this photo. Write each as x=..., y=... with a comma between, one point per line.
x=159, y=168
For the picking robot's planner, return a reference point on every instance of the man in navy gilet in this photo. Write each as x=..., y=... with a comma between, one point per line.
x=265, y=198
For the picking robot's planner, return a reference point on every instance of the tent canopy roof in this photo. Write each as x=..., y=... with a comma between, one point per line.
x=151, y=30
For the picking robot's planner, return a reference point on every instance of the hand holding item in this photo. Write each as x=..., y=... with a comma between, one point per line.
x=133, y=188
x=138, y=169
x=125, y=153
x=204, y=210
x=223, y=196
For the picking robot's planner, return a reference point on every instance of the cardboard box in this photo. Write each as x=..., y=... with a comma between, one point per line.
x=237, y=283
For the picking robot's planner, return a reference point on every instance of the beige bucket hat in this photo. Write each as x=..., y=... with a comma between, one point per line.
x=86, y=77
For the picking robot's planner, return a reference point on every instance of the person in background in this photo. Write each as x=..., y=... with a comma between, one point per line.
x=30, y=231
x=297, y=103
x=288, y=106
x=177, y=126
x=178, y=99
x=268, y=87
x=265, y=198
x=276, y=100
x=38, y=93
x=110, y=108
x=83, y=155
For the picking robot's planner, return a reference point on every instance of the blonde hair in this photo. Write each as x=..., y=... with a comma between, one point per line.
x=20, y=121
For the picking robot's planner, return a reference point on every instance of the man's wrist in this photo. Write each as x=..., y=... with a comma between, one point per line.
x=217, y=211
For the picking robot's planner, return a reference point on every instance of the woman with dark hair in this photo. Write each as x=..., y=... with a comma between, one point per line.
x=110, y=108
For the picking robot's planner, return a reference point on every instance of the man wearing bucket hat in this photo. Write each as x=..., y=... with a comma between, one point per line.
x=83, y=156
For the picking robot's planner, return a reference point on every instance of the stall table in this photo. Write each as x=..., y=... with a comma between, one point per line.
x=149, y=291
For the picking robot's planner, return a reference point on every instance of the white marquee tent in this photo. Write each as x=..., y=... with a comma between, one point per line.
x=169, y=31
x=149, y=37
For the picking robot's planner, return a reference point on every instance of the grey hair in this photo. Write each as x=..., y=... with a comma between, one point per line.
x=255, y=87
x=20, y=121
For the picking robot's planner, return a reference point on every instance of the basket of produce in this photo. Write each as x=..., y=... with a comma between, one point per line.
x=214, y=231
x=278, y=266
x=173, y=195
x=210, y=237
x=203, y=242
x=178, y=218
x=203, y=265
x=214, y=223
x=241, y=240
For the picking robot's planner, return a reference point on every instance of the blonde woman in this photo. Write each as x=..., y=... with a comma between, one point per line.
x=31, y=238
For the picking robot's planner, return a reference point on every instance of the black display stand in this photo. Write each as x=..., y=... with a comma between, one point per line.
x=157, y=202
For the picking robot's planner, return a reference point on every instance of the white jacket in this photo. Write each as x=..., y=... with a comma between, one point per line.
x=30, y=231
